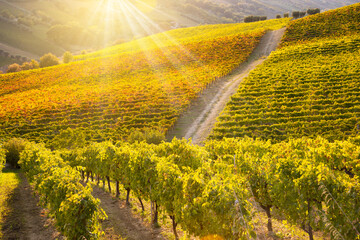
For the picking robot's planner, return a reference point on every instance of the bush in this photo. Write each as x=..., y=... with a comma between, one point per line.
x=312, y=11
x=286, y=15
x=302, y=14
x=278, y=16
x=69, y=139
x=68, y=57
x=296, y=14
x=13, y=68
x=35, y=64
x=26, y=66
x=13, y=148
x=48, y=60
x=149, y=135
x=2, y=158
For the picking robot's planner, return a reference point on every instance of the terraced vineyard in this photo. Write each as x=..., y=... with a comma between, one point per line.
x=301, y=90
x=106, y=97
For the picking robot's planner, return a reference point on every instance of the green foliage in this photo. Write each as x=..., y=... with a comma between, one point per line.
x=313, y=183
x=149, y=135
x=76, y=211
x=34, y=63
x=2, y=158
x=68, y=57
x=69, y=139
x=249, y=19
x=48, y=60
x=312, y=11
x=13, y=149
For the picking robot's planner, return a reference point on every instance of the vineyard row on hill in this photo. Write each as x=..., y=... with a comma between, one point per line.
x=210, y=190
x=108, y=97
x=328, y=25
x=299, y=91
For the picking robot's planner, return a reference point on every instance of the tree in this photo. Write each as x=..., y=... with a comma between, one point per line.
x=48, y=60
x=286, y=15
x=26, y=66
x=13, y=68
x=68, y=57
x=312, y=11
x=278, y=16
x=249, y=19
x=302, y=14
x=34, y=63
x=13, y=148
x=296, y=14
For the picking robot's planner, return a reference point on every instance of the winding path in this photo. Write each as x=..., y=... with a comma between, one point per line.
x=198, y=121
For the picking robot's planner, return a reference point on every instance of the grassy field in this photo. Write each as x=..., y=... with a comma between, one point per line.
x=9, y=180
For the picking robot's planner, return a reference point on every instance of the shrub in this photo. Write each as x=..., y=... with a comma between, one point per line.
x=2, y=158
x=296, y=14
x=262, y=18
x=286, y=15
x=312, y=11
x=68, y=57
x=13, y=148
x=26, y=66
x=13, y=68
x=278, y=16
x=35, y=64
x=48, y=60
x=302, y=14
x=149, y=135
x=69, y=139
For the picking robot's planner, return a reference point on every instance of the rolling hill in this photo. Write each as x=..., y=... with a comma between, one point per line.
x=108, y=96
x=309, y=87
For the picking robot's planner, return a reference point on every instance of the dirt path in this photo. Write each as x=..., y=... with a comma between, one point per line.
x=27, y=220
x=198, y=121
x=121, y=221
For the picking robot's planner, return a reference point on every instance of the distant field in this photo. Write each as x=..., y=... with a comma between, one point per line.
x=107, y=97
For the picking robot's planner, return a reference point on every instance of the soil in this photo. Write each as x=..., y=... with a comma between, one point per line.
x=27, y=221
x=121, y=221
x=198, y=121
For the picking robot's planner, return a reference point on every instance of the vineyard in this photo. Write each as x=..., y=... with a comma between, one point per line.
x=107, y=97
x=328, y=25
x=301, y=90
x=286, y=146
x=184, y=36
x=207, y=190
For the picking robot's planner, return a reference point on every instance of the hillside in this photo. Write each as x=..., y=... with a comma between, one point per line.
x=305, y=89
x=108, y=96
x=40, y=26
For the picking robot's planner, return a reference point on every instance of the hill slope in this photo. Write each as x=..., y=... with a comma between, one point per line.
x=303, y=89
x=107, y=97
